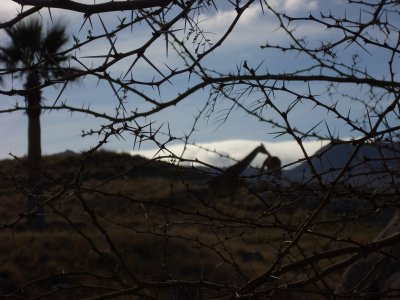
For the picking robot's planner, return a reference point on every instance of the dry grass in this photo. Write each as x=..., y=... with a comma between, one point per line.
x=159, y=228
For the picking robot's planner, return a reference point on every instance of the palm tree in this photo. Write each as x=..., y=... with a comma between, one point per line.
x=35, y=52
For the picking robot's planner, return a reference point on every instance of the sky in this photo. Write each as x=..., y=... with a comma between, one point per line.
x=235, y=137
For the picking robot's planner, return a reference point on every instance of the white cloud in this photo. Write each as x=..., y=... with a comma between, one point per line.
x=297, y=5
x=248, y=31
x=288, y=151
x=255, y=28
x=9, y=9
x=294, y=6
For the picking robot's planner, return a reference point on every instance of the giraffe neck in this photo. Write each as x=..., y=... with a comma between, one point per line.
x=239, y=167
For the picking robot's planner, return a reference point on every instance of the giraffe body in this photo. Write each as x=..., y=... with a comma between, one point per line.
x=273, y=164
x=229, y=182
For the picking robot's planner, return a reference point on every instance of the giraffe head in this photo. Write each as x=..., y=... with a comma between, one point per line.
x=262, y=149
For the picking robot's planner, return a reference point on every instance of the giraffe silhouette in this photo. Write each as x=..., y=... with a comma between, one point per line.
x=228, y=183
x=273, y=164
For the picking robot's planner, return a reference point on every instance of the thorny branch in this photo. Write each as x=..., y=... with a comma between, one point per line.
x=121, y=225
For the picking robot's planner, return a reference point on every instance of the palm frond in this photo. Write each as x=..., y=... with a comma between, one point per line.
x=55, y=38
x=25, y=42
x=29, y=46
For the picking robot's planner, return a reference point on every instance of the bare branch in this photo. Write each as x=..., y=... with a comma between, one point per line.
x=89, y=9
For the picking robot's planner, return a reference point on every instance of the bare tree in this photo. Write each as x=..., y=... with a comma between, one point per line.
x=295, y=238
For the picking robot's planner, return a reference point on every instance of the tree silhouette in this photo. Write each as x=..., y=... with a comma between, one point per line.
x=36, y=53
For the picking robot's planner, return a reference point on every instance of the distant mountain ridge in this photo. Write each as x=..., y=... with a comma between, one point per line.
x=376, y=164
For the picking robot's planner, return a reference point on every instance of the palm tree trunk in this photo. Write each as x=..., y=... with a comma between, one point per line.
x=36, y=218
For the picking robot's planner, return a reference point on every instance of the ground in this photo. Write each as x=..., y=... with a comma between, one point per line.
x=131, y=222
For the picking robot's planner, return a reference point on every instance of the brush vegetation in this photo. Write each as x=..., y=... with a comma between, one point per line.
x=113, y=220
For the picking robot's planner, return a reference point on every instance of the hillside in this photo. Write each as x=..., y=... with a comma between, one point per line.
x=127, y=215
x=115, y=220
x=372, y=164
x=101, y=165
